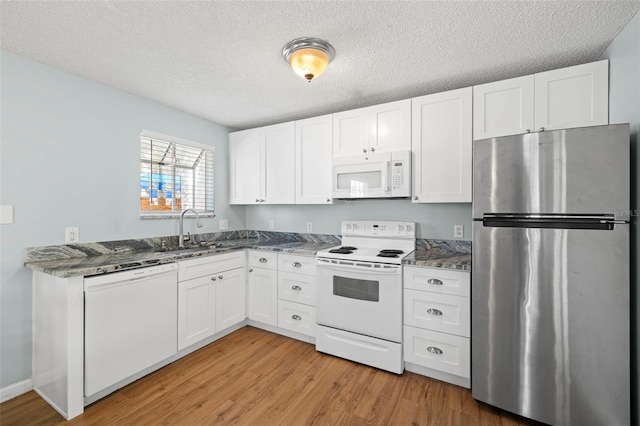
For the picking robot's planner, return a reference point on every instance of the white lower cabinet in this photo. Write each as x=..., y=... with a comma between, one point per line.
x=297, y=293
x=437, y=323
x=211, y=296
x=263, y=287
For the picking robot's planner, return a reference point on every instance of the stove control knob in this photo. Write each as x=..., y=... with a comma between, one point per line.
x=408, y=228
x=354, y=226
x=348, y=226
x=400, y=228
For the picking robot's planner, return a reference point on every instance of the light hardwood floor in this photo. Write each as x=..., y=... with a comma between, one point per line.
x=254, y=377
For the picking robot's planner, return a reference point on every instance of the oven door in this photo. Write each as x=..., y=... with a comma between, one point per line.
x=361, y=299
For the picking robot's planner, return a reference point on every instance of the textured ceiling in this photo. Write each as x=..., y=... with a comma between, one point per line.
x=221, y=60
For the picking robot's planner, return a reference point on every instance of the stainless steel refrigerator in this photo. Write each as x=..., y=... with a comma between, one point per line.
x=550, y=276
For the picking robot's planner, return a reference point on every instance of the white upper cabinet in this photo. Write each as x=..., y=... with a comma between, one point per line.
x=576, y=96
x=313, y=160
x=572, y=97
x=245, y=165
x=441, y=145
x=378, y=128
x=261, y=165
x=503, y=108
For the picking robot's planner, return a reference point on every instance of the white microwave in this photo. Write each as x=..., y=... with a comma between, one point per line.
x=380, y=175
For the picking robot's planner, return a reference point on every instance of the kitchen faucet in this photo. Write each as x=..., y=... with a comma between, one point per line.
x=181, y=237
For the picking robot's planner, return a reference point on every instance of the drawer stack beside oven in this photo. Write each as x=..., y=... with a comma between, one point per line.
x=297, y=293
x=437, y=323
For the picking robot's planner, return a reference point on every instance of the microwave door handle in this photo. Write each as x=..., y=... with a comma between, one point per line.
x=385, y=183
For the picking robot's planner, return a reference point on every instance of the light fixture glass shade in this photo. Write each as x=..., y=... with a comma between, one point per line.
x=308, y=56
x=309, y=63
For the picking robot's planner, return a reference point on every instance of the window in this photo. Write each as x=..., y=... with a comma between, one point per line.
x=174, y=175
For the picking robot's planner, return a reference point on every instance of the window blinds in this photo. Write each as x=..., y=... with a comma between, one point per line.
x=174, y=177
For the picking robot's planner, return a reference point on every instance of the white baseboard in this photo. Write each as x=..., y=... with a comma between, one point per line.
x=15, y=389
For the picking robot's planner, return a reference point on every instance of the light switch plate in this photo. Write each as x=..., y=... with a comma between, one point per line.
x=272, y=224
x=6, y=215
x=309, y=227
x=224, y=224
x=458, y=231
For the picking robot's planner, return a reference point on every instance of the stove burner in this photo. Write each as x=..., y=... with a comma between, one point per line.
x=387, y=255
x=343, y=250
x=391, y=251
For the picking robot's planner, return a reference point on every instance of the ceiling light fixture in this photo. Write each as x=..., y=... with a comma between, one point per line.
x=308, y=56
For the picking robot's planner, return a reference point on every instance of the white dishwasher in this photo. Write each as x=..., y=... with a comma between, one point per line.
x=130, y=323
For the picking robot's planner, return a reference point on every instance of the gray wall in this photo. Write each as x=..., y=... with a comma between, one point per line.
x=624, y=107
x=433, y=220
x=70, y=157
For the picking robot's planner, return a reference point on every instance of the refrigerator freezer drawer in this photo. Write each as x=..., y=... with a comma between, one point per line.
x=439, y=351
x=551, y=323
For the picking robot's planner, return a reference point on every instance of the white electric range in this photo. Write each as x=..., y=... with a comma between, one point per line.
x=359, y=293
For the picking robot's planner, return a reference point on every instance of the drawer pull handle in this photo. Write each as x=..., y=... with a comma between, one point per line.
x=220, y=277
x=296, y=264
x=296, y=317
x=296, y=287
x=263, y=260
x=250, y=270
x=434, y=281
x=213, y=278
x=434, y=350
x=436, y=312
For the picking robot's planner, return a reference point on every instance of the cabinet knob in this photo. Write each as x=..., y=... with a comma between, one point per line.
x=364, y=150
x=262, y=201
x=542, y=129
x=296, y=317
x=373, y=149
x=328, y=200
x=296, y=264
x=415, y=197
x=250, y=270
x=262, y=260
x=220, y=277
x=434, y=350
x=433, y=311
x=296, y=287
x=213, y=278
x=257, y=200
x=434, y=281
x=528, y=131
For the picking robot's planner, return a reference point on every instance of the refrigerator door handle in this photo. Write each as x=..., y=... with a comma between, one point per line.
x=592, y=222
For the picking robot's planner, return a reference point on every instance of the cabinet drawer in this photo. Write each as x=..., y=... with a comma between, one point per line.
x=297, y=288
x=263, y=259
x=437, y=312
x=439, y=351
x=297, y=317
x=206, y=265
x=298, y=264
x=437, y=280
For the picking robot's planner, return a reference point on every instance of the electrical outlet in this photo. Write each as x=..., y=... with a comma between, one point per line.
x=272, y=224
x=309, y=227
x=224, y=224
x=72, y=235
x=458, y=231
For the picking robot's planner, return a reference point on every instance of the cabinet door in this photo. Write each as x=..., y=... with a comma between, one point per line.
x=503, y=108
x=263, y=295
x=279, y=169
x=196, y=310
x=390, y=126
x=245, y=167
x=572, y=97
x=313, y=160
x=230, y=298
x=351, y=132
x=441, y=144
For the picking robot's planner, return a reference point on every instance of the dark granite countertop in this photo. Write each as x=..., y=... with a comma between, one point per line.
x=72, y=260
x=441, y=254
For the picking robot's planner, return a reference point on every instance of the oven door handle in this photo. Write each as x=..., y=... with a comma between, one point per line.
x=390, y=270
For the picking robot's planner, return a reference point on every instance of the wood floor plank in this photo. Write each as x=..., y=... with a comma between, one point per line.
x=254, y=377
